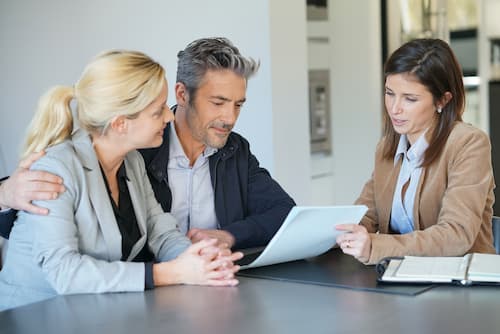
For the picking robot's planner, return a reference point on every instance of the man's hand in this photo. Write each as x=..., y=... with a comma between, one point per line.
x=24, y=186
x=223, y=237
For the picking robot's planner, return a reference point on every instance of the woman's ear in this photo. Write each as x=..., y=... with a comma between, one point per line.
x=119, y=124
x=443, y=101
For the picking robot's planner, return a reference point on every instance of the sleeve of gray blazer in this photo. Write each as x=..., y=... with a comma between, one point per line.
x=164, y=238
x=56, y=240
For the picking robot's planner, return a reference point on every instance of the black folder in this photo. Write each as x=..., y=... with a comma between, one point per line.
x=334, y=269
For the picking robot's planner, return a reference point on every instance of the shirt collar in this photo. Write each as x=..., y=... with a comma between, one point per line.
x=414, y=154
x=176, y=150
x=122, y=172
x=121, y=176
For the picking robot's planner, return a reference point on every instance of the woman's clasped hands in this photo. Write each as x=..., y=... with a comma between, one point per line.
x=203, y=263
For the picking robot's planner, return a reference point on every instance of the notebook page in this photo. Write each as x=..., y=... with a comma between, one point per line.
x=484, y=267
x=433, y=268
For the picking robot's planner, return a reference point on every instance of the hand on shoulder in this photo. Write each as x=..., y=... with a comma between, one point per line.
x=25, y=185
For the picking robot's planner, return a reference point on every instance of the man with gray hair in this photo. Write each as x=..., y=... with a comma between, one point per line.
x=204, y=173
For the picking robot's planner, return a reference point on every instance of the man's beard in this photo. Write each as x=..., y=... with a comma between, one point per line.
x=202, y=134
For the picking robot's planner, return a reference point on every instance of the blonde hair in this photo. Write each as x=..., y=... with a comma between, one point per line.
x=115, y=83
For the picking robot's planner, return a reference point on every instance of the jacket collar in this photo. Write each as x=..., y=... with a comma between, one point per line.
x=84, y=149
x=228, y=150
x=95, y=182
x=158, y=166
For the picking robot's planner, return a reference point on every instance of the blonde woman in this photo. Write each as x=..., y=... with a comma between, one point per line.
x=106, y=232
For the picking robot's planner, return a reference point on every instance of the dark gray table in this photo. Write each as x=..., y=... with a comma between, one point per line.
x=263, y=306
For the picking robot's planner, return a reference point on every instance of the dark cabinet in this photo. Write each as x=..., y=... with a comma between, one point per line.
x=494, y=102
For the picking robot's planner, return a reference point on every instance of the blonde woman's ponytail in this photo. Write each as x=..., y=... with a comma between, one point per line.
x=115, y=83
x=52, y=122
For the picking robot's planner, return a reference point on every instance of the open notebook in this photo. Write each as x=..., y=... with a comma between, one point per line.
x=306, y=232
x=475, y=268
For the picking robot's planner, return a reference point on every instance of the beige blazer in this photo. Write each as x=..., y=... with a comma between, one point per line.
x=453, y=202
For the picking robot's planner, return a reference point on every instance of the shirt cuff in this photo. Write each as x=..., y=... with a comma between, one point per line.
x=148, y=273
x=3, y=209
x=6, y=222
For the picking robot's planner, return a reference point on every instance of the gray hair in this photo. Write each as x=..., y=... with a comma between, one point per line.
x=206, y=54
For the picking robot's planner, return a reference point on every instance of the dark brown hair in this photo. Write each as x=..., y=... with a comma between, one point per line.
x=432, y=63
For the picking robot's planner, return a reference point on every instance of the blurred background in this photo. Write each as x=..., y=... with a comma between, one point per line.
x=313, y=113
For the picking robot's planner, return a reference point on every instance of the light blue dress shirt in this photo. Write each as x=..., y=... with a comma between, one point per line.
x=402, y=220
x=192, y=194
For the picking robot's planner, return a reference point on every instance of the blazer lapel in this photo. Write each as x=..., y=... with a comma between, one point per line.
x=138, y=204
x=388, y=195
x=98, y=195
x=416, y=216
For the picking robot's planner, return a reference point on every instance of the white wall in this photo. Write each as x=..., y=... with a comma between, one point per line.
x=288, y=45
x=49, y=42
x=352, y=53
x=357, y=98
x=353, y=56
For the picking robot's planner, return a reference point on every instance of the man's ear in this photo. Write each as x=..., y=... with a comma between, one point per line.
x=119, y=124
x=181, y=94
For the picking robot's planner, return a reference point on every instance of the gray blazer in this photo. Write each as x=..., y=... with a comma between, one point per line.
x=77, y=247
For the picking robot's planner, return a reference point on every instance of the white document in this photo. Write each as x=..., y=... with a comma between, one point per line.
x=307, y=232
